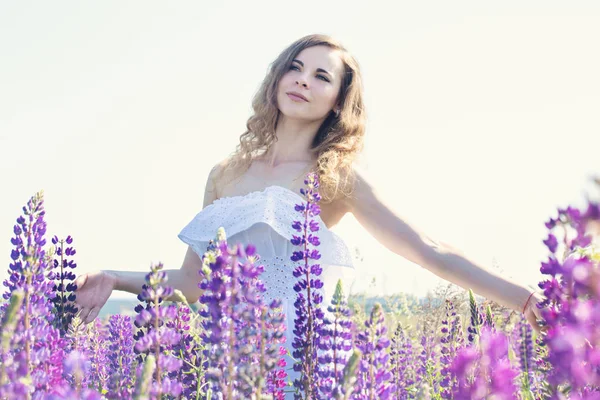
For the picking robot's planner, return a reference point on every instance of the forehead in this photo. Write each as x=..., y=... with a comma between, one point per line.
x=321, y=57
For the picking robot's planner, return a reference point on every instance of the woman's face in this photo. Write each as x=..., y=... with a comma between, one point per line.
x=316, y=74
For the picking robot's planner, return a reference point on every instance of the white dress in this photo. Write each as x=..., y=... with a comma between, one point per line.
x=264, y=218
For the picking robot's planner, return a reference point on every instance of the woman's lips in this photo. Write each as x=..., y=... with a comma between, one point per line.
x=296, y=98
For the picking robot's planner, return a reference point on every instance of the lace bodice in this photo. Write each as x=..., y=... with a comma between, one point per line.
x=265, y=218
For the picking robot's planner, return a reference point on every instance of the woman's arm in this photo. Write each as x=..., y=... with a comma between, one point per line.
x=132, y=281
x=441, y=259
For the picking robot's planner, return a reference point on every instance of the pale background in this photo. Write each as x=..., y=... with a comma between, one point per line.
x=483, y=119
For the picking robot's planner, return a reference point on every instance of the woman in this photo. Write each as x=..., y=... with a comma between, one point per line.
x=308, y=116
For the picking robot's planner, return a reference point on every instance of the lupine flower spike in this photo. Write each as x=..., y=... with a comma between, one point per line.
x=153, y=336
x=29, y=356
x=243, y=334
x=64, y=288
x=335, y=339
x=573, y=299
x=309, y=315
x=374, y=376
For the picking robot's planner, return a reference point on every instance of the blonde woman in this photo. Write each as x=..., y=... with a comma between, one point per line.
x=309, y=116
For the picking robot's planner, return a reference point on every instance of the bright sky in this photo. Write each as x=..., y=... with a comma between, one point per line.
x=483, y=119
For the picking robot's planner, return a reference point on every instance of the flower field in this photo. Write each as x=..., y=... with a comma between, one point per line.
x=230, y=344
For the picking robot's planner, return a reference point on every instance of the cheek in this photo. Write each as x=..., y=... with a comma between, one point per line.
x=326, y=94
x=285, y=80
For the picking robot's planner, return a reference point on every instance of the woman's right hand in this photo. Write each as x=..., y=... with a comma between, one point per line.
x=93, y=290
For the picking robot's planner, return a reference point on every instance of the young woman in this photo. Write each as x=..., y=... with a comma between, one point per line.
x=309, y=116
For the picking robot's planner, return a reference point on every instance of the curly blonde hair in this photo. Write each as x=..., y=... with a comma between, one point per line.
x=339, y=140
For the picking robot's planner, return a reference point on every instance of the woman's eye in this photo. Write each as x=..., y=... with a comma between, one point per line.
x=319, y=76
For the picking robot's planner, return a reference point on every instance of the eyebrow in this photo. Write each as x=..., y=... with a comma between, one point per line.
x=318, y=69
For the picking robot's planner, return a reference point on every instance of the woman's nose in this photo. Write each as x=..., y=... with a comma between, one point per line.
x=301, y=82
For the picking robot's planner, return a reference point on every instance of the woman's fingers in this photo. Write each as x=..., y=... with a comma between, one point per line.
x=82, y=313
x=93, y=314
x=80, y=281
x=534, y=317
x=531, y=318
x=541, y=323
x=85, y=314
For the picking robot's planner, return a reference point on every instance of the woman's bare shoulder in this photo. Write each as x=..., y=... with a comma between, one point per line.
x=220, y=174
x=220, y=166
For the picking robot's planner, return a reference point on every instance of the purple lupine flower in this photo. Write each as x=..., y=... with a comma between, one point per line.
x=489, y=318
x=451, y=341
x=219, y=326
x=463, y=369
x=476, y=320
x=335, y=339
x=485, y=371
x=34, y=342
x=153, y=336
x=243, y=335
x=89, y=341
x=10, y=320
x=522, y=345
x=572, y=303
x=120, y=357
x=64, y=288
x=98, y=354
x=309, y=298
x=374, y=375
x=29, y=259
x=77, y=337
x=276, y=378
x=551, y=242
x=268, y=329
x=426, y=360
x=542, y=369
x=346, y=386
x=402, y=362
x=577, y=221
x=190, y=352
x=76, y=365
x=144, y=374
x=48, y=376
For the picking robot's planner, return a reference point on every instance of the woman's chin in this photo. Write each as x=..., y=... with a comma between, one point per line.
x=294, y=114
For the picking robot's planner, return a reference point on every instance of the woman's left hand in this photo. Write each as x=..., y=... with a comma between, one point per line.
x=533, y=314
